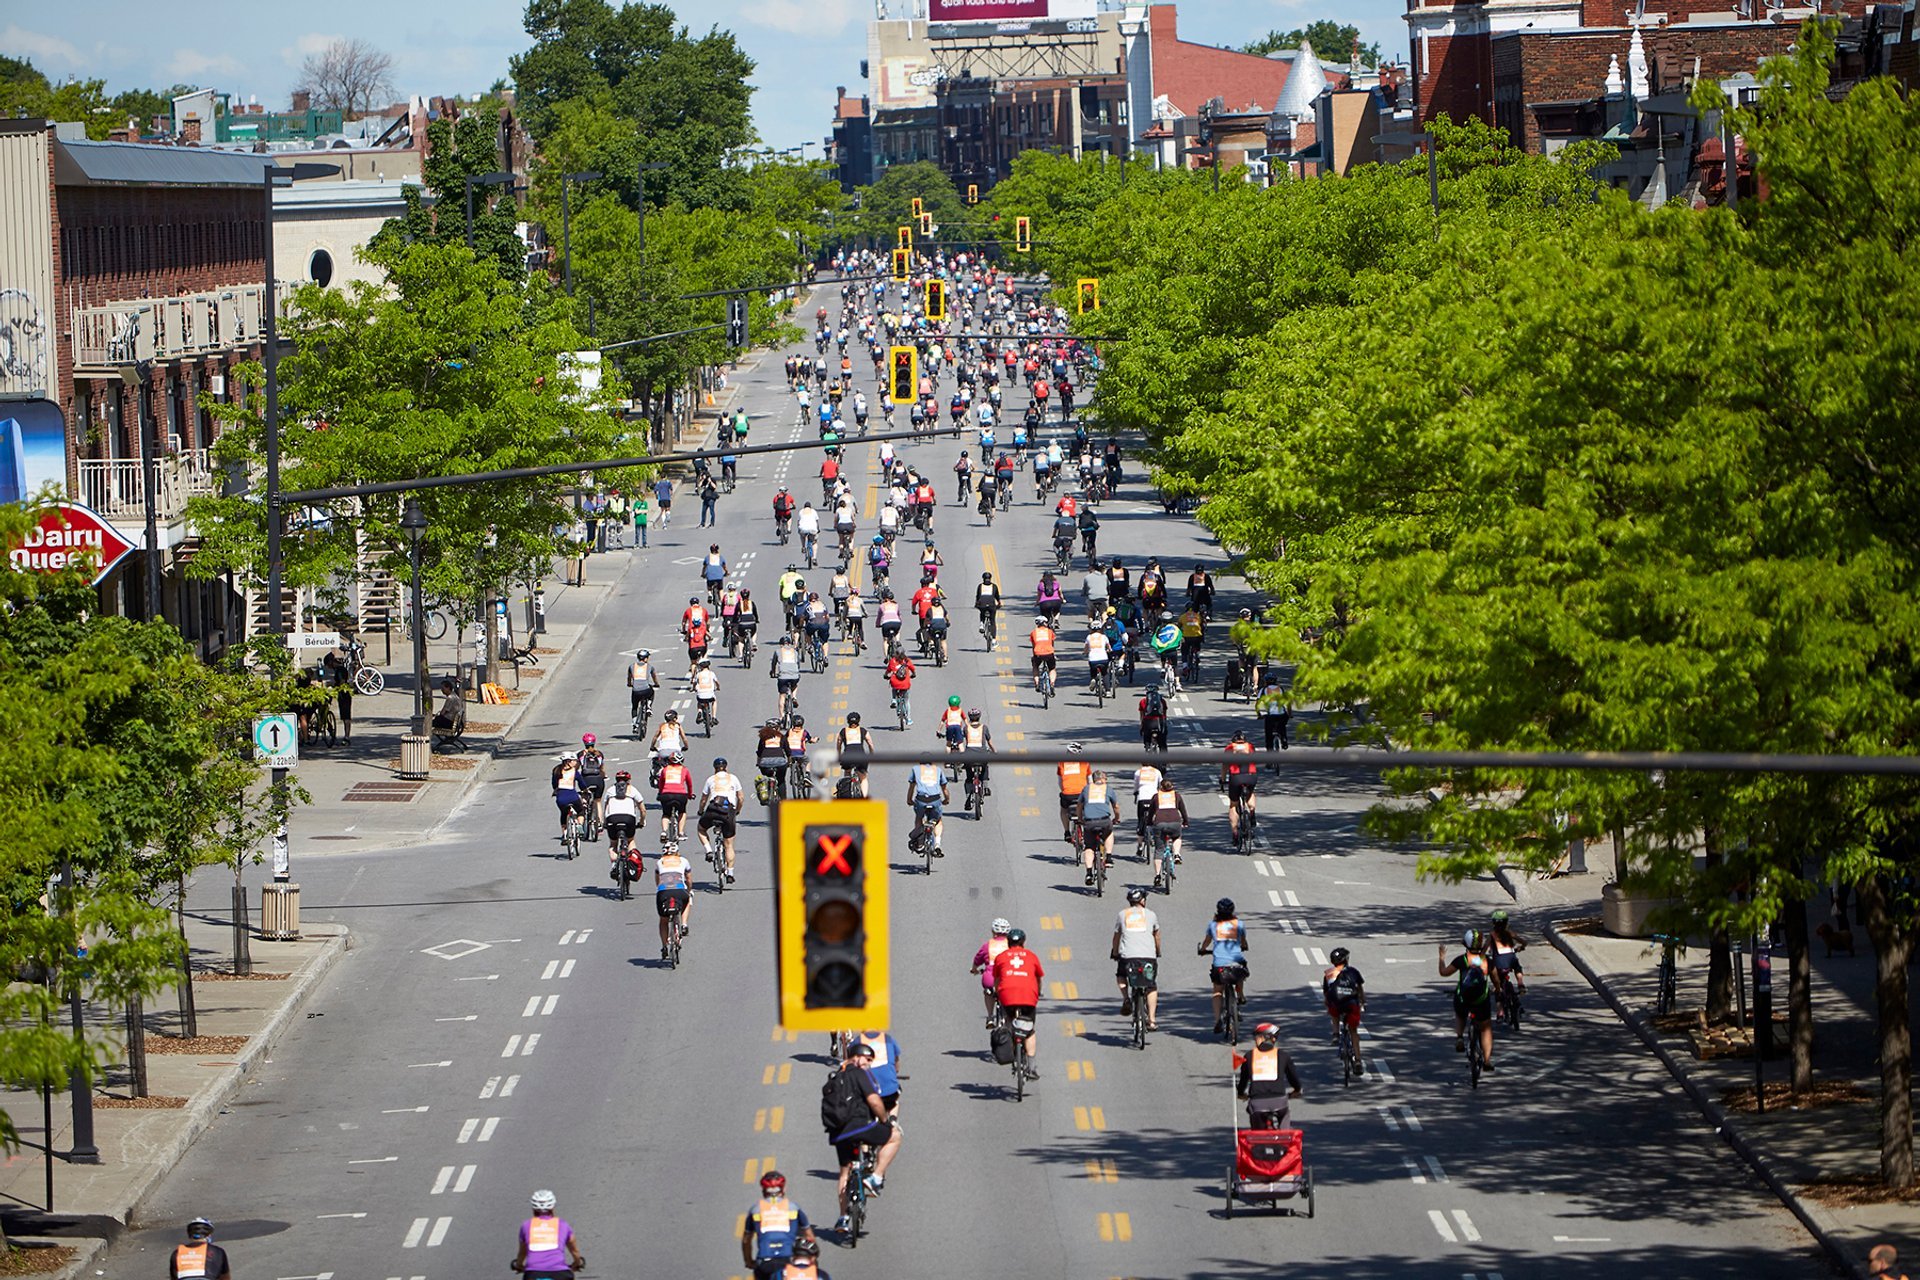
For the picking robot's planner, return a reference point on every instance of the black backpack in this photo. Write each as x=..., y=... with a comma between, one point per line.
x=1474, y=987
x=1156, y=706
x=843, y=1101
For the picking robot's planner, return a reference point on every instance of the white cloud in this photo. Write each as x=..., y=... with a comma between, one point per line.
x=43, y=50
x=190, y=65
x=819, y=18
x=304, y=46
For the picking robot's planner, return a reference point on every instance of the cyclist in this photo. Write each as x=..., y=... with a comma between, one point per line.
x=1193, y=634
x=1003, y=477
x=860, y=410
x=1267, y=1080
x=845, y=523
x=885, y=1068
x=673, y=791
x=729, y=607
x=807, y=524
x=983, y=962
x=1063, y=532
x=853, y=736
x=770, y=758
x=199, y=1258
x=1073, y=775
x=1200, y=591
x=593, y=772
x=642, y=683
x=1048, y=597
x=1096, y=812
x=1153, y=587
x=1153, y=720
x=978, y=738
x=953, y=722
x=934, y=625
x=720, y=801
x=1274, y=712
x=887, y=615
x=1089, y=531
x=1504, y=947
x=706, y=690
x=1345, y=991
x=1146, y=785
x=927, y=793
x=817, y=619
x=713, y=571
x=1226, y=941
x=746, y=620
x=900, y=673
x=693, y=625
x=1136, y=947
x=1119, y=584
x=854, y=1117
x=963, y=477
x=1099, y=658
x=789, y=582
x=798, y=739
x=566, y=788
x=1165, y=642
x=625, y=811
x=1042, y=473
x=1237, y=780
x=856, y=615
x=1472, y=995
x=784, y=668
x=773, y=1227
x=549, y=1248
x=672, y=891
x=805, y=1262
x=1041, y=640
x=668, y=740
x=988, y=488
x=1017, y=974
x=930, y=562
x=986, y=601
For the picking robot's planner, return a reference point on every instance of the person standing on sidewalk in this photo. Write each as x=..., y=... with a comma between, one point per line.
x=339, y=669
x=199, y=1258
x=640, y=518
x=616, y=518
x=663, y=494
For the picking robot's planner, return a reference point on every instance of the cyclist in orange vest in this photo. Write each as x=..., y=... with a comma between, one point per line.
x=1041, y=638
x=1073, y=780
x=1237, y=781
x=199, y=1258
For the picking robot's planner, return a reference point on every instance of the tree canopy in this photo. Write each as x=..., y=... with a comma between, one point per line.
x=1331, y=40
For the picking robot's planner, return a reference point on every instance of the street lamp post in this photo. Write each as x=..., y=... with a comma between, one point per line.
x=414, y=522
x=139, y=378
x=566, y=222
x=481, y=180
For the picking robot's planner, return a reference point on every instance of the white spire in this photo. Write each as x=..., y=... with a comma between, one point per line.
x=1305, y=83
x=1637, y=65
x=1615, y=85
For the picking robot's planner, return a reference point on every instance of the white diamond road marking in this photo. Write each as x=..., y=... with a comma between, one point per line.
x=457, y=949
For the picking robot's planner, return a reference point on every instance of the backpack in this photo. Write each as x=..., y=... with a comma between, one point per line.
x=1001, y=1041
x=1156, y=706
x=1474, y=987
x=1345, y=985
x=843, y=1101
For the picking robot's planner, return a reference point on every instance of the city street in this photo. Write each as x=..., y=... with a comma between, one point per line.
x=503, y=1023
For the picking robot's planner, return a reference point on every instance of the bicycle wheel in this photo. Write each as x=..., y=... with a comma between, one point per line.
x=1019, y=1071
x=1099, y=874
x=1474, y=1063
x=673, y=941
x=979, y=804
x=436, y=624
x=626, y=879
x=369, y=681
x=570, y=842
x=1346, y=1054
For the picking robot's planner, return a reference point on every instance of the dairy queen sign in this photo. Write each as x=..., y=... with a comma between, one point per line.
x=68, y=535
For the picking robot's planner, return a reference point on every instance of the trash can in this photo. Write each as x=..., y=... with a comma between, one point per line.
x=416, y=756
x=280, y=912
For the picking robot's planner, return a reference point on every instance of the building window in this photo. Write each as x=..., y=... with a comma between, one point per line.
x=320, y=268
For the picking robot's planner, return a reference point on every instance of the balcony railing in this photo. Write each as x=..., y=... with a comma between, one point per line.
x=113, y=486
x=195, y=324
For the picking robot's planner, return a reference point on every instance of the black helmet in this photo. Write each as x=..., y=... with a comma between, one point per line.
x=1338, y=955
x=1016, y=937
x=1223, y=908
x=1136, y=895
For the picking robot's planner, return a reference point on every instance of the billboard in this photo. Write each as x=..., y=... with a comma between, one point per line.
x=1007, y=10
x=33, y=449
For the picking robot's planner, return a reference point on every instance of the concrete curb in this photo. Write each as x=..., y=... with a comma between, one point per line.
x=1816, y=1219
x=206, y=1103
x=85, y=1250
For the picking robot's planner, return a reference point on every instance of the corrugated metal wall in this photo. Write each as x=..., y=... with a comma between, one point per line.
x=26, y=267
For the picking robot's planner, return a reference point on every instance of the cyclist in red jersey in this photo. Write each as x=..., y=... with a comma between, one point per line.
x=1017, y=974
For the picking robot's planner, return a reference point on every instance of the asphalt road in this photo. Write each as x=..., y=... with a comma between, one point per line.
x=504, y=1024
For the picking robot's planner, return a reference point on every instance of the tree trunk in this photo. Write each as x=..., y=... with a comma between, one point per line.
x=1891, y=946
x=189, y=1016
x=1720, y=977
x=1799, y=994
x=137, y=1045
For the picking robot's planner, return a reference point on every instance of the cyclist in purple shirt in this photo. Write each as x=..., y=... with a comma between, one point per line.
x=549, y=1250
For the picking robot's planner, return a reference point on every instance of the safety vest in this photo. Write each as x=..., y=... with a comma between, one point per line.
x=1042, y=639
x=800, y=1269
x=953, y=716
x=879, y=1045
x=995, y=945
x=1240, y=748
x=776, y=1217
x=976, y=735
x=676, y=781
x=927, y=780
x=1191, y=625
x=705, y=685
x=543, y=1234
x=640, y=675
x=1266, y=1063
x=1134, y=920
x=1073, y=777
x=190, y=1261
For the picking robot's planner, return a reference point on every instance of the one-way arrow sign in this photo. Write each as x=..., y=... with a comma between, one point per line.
x=276, y=741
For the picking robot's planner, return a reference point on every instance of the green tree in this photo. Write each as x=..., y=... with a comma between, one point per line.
x=26, y=91
x=887, y=205
x=1331, y=40
x=683, y=99
x=456, y=152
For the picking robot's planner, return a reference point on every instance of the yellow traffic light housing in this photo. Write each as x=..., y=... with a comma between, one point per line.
x=1022, y=235
x=1089, y=296
x=917, y=206
x=926, y=224
x=903, y=374
x=906, y=237
x=902, y=265
x=936, y=300
x=973, y=193
x=831, y=915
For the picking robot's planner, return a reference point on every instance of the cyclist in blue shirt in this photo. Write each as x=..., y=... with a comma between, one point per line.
x=885, y=1067
x=1226, y=939
x=773, y=1227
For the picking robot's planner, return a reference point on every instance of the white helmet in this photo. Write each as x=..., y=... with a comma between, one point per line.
x=543, y=1201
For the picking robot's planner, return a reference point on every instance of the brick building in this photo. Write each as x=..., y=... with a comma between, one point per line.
x=110, y=254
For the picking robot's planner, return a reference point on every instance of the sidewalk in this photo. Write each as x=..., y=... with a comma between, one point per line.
x=1792, y=1149
x=188, y=1084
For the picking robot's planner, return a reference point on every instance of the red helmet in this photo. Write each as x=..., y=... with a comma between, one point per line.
x=774, y=1181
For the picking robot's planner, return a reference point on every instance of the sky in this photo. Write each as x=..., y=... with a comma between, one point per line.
x=802, y=48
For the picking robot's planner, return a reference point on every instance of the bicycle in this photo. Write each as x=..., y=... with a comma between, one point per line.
x=1350, y=1064
x=705, y=717
x=857, y=1196
x=1506, y=998
x=1102, y=682
x=1476, y=1064
x=799, y=779
x=976, y=791
x=716, y=851
x=624, y=864
x=591, y=825
x=320, y=724
x=1163, y=875
x=816, y=653
x=1022, y=1064
x=673, y=939
x=1669, y=972
x=783, y=526
x=990, y=627
x=747, y=647
x=810, y=547
x=1140, y=974
x=365, y=679
x=642, y=718
x=1099, y=860
x=1062, y=555
x=900, y=708
x=1243, y=818
x=1045, y=683
x=920, y=839
x=1230, y=1013
x=570, y=835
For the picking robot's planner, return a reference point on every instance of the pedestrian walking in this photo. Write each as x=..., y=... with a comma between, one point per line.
x=709, y=499
x=663, y=494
